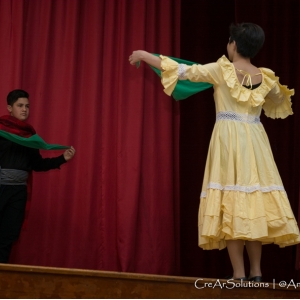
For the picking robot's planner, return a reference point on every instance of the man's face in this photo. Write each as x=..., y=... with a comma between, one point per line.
x=20, y=109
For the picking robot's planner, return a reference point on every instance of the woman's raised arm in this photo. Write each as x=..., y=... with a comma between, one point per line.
x=141, y=55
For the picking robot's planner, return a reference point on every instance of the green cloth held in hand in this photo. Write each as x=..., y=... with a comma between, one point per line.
x=185, y=88
x=34, y=141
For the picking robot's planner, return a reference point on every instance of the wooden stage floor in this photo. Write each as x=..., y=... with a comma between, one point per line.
x=18, y=281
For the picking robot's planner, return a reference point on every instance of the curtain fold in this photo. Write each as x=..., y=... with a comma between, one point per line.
x=115, y=206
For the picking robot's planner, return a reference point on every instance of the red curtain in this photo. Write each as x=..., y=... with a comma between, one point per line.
x=115, y=206
x=204, y=36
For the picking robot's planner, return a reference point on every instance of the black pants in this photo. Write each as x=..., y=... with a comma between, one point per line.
x=12, y=209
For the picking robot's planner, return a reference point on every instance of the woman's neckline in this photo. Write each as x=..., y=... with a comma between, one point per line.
x=252, y=86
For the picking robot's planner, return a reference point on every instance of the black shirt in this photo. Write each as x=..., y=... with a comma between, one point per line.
x=14, y=156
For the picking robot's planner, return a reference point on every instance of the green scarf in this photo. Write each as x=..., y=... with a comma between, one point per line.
x=185, y=88
x=34, y=141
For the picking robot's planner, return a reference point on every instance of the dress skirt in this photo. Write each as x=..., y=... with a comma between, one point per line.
x=242, y=194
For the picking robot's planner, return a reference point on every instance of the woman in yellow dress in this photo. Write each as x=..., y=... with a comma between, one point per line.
x=243, y=201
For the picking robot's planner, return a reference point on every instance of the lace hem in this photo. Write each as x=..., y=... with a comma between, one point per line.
x=240, y=188
x=233, y=116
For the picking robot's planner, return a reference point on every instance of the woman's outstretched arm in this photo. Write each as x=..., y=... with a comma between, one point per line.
x=141, y=55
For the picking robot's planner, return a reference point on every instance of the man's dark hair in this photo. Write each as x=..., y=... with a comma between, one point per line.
x=14, y=95
x=249, y=38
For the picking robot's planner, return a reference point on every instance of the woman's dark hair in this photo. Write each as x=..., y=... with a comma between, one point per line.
x=249, y=38
x=14, y=95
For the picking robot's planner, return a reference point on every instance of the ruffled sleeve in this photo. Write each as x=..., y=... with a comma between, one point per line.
x=169, y=75
x=278, y=100
x=174, y=71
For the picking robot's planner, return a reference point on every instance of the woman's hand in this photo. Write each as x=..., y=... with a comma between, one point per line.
x=135, y=57
x=68, y=154
x=141, y=55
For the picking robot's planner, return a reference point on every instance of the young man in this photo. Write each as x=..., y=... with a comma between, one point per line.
x=17, y=160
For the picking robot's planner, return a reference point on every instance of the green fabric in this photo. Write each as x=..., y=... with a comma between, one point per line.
x=185, y=88
x=35, y=141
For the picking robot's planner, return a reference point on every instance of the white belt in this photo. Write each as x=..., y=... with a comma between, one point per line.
x=233, y=116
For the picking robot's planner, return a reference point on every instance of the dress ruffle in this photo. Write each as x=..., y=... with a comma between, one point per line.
x=283, y=107
x=257, y=216
x=242, y=94
x=259, y=96
x=170, y=74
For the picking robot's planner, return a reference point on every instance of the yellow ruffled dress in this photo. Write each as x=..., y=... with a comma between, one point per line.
x=242, y=194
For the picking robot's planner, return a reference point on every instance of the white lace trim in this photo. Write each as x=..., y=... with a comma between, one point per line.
x=240, y=188
x=181, y=71
x=233, y=116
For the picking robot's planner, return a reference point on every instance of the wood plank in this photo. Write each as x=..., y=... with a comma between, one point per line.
x=18, y=281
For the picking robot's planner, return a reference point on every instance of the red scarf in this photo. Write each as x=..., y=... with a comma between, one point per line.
x=15, y=126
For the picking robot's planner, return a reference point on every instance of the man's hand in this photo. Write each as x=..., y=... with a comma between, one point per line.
x=68, y=154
